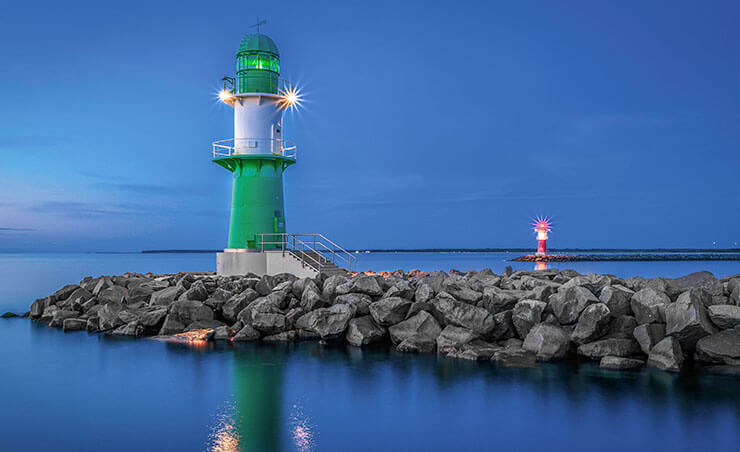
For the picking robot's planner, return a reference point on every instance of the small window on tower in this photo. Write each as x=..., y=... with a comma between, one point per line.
x=252, y=61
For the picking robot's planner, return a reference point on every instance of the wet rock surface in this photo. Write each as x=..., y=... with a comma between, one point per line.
x=510, y=320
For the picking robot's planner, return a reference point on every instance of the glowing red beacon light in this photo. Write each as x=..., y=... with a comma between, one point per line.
x=542, y=225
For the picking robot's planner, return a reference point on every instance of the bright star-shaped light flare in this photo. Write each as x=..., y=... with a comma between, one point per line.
x=543, y=224
x=290, y=97
x=223, y=95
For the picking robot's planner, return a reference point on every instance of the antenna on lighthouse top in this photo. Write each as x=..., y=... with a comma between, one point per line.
x=259, y=22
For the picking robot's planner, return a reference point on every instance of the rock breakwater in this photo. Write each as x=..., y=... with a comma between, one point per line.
x=511, y=319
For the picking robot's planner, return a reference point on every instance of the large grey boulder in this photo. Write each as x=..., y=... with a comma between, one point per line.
x=170, y=326
x=329, y=323
x=687, y=319
x=93, y=324
x=237, y=303
x=699, y=280
x=735, y=294
x=298, y=286
x=504, y=327
x=424, y=293
x=141, y=293
x=547, y=342
x=622, y=327
x=108, y=316
x=497, y=300
x=64, y=293
x=133, y=328
x=724, y=316
x=592, y=324
x=542, y=292
x=592, y=282
x=649, y=305
x=217, y=299
x=223, y=333
x=330, y=285
x=417, y=344
x=514, y=357
x=610, y=347
x=74, y=324
x=246, y=334
x=48, y=313
x=269, y=323
x=310, y=298
x=363, y=331
x=617, y=299
x=101, y=284
x=569, y=302
x=618, y=363
x=264, y=305
x=461, y=291
x=422, y=323
x=526, y=314
x=265, y=285
x=459, y=313
x=38, y=307
x=389, y=311
x=153, y=317
x=359, y=302
x=113, y=294
x=475, y=350
x=285, y=336
x=454, y=337
x=666, y=355
x=649, y=334
x=188, y=311
x=367, y=285
x=165, y=297
x=76, y=299
x=722, y=347
x=417, y=307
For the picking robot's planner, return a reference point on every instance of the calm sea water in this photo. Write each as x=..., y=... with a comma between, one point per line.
x=76, y=391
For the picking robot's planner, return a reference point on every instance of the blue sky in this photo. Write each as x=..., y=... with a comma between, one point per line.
x=426, y=124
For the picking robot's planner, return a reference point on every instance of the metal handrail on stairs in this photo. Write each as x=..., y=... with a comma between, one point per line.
x=314, y=250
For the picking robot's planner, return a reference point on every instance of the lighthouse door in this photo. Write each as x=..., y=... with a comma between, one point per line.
x=277, y=142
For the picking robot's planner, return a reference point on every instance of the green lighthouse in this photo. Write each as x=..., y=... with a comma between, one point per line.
x=258, y=155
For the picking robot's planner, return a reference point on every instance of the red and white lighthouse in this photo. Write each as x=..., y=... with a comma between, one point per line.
x=542, y=227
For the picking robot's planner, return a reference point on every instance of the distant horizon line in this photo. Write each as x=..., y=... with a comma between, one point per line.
x=408, y=250
x=482, y=250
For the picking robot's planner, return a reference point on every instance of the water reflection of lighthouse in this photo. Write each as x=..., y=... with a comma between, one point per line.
x=257, y=418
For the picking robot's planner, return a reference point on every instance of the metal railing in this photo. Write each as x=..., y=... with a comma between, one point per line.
x=254, y=146
x=233, y=85
x=313, y=250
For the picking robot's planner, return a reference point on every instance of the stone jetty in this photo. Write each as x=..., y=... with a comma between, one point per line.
x=517, y=318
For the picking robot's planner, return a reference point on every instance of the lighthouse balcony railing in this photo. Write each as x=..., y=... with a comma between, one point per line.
x=313, y=250
x=254, y=146
x=238, y=85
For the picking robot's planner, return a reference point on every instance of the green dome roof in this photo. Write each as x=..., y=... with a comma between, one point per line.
x=258, y=42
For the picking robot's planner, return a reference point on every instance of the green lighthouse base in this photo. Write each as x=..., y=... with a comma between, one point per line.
x=257, y=205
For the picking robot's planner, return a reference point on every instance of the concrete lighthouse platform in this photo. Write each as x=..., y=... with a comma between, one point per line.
x=242, y=262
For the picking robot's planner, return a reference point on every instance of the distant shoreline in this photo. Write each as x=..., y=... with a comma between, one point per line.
x=499, y=250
